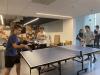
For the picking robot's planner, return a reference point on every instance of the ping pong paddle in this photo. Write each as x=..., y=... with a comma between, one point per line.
x=27, y=47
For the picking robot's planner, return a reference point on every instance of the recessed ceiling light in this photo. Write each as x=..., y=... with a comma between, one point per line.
x=45, y=14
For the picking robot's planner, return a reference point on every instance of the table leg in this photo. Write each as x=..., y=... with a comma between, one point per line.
x=82, y=62
x=30, y=71
x=59, y=67
x=39, y=70
x=91, y=61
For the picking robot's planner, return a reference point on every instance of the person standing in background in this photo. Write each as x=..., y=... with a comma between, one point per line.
x=89, y=39
x=36, y=29
x=80, y=37
x=29, y=33
x=97, y=36
x=41, y=37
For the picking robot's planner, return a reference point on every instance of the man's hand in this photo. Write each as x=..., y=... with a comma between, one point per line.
x=82, y=40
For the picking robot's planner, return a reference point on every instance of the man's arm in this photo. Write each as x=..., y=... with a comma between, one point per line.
x=20, y=46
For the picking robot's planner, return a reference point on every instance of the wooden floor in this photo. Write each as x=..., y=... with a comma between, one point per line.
x=69, y=68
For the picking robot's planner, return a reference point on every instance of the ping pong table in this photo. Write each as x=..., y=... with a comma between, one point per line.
x=49, y=56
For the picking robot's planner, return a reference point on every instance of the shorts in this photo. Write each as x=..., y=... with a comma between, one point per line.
x=11, y=60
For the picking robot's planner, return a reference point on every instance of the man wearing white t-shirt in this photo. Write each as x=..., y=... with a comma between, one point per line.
x=41, y=37
x=89, y=40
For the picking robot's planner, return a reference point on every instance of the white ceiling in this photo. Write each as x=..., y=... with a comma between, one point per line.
x=59, y=7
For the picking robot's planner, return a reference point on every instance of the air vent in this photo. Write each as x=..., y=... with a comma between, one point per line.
x=45, y=2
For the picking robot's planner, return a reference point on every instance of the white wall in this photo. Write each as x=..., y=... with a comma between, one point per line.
x=90, y=20
x=67, y=30
x=97, y=17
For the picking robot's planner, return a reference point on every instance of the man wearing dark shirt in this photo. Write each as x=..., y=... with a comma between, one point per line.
x=11, y=56
x=97, y=37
